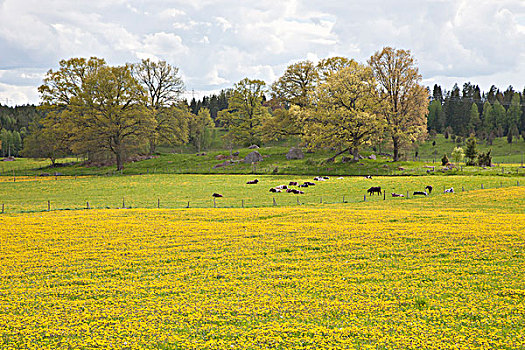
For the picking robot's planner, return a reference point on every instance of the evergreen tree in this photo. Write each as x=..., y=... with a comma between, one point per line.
x=486, y=118
x=471, y=152
x=513, y=113
x=474, y=121
x=499, y=117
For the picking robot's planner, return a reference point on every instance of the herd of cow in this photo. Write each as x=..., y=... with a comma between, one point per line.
x=288, y=189
x=372, y=190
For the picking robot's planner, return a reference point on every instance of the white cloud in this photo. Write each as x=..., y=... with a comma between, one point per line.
x=216, y=43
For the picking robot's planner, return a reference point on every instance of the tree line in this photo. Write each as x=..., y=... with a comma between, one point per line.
x=91, y=108
x=485, y=114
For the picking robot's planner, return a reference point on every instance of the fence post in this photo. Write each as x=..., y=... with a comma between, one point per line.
x=298, y=203
x=242, y=203
x=87, y=205
x=158, y=203
x=481, y=186
x=343, y=198
x=2, y=208
x=123, y=203
x=214, y=204
x=408, y=195
x=321, y=201
x=384, y=195
x=188, y=204
x=462, y=189
x=364, y=197
x=48, y=205
x=274, y=202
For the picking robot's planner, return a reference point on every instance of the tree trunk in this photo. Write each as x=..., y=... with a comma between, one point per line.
x=118, y=154
x=395, y=140
x=152, y=147
x=355, y=153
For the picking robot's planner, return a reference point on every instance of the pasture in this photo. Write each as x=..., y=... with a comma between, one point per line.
x=442, y=272
x=175, y=191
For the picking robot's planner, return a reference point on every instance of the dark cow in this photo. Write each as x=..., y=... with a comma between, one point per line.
x=373, y=190
x=252, y=182
x=294, y=191
x=429, y=189
x=275, y=190
x=303, y=185
x=293, y=183
x=420, y=193
x=368, y=177
x=309, y=183
x=217, y=195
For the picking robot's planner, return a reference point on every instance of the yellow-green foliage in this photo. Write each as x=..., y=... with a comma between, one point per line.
x=426, y=276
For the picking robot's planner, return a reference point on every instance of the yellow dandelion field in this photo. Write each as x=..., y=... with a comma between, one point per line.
x=443, y=275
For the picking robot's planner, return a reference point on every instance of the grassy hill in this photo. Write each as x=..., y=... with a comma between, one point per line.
x=507, y=157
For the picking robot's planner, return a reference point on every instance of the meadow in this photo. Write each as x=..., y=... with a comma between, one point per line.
x=442, y=272
x=25, y=194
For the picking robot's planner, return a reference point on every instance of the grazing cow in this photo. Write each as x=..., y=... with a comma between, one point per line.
x=252, y=182
x=303, y=185
x=429, y=188
x=281, y=187
x=293, y=183
x=309, y=183
x=420, y=193
x=340, y=178
x=294, y=191
x=368, y=177
x=275, y=190
x=397, y=195
x=217, y=195
x=449, y=190
x=373, y=190
x=319, y=178
x=325, y=177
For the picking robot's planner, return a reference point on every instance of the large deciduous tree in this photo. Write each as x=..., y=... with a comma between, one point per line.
x=404, y=99
x=104, y=108
x=246, y=112
x=164, y=87
x=296, y=83
x=343, y=113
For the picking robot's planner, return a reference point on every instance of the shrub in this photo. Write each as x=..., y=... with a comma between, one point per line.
x=444, y=160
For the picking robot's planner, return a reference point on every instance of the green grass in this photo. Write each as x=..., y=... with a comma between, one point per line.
x=502, y=151
x=507, y=159
x=175, y=191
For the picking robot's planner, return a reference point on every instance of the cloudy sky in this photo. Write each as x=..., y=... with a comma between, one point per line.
x=216, y=43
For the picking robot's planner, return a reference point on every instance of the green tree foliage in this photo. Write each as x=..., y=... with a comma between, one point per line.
x=297, y=82
x=435, y=120
x=164, y=87
x=104, y=107
x=498, y=118
x=458, y=154
x=444, y=160
x=405, y=100
x=246, y=112
x=514, y=113
x=201, y=129
x=487, y=123
x=344, y=111
x=474, y=123
x=331, y=65
x=471, y=152
x=47, y=139
x=282, y=123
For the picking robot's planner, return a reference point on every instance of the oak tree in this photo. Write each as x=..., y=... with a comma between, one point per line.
x=404, y=99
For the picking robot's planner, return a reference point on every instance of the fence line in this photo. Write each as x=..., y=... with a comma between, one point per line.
x=307, y=200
